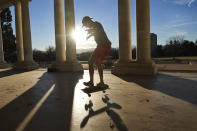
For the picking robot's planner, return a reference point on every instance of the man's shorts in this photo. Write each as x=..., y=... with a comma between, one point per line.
x=100, y=53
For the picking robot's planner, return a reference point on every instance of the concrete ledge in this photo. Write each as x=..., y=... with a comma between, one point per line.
x=132, y=68
x=27, y=65
x=66, y=67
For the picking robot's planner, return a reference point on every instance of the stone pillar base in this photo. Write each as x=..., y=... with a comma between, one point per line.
x=26, y=65
x=4, y=65
x=134, y=68
x=66, y=67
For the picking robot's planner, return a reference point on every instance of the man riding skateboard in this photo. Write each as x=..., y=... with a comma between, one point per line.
x=95, y=29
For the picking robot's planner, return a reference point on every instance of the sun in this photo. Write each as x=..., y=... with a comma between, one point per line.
x=79, y=34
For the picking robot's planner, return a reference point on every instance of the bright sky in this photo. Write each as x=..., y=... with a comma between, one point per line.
x=168, y=18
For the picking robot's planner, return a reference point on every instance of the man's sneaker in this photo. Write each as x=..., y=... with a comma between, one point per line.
x=89, y=83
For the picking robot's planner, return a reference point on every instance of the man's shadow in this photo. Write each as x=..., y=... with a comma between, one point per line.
x=108, y=109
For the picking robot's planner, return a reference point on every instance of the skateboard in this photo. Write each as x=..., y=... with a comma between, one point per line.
x=92, y=89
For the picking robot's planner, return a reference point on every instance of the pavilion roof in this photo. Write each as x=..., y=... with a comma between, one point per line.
x=7, y=3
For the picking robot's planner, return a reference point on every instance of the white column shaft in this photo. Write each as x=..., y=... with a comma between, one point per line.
x=59, y=30
x=19, y=31
x=27, y=43
x=1, y=45
x=124, y=17
x=70, y=27
x=143, y=31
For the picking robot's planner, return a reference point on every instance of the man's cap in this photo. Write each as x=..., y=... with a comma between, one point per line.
x=85, y=19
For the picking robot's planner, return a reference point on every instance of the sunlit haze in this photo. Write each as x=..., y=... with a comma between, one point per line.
x=80, y=37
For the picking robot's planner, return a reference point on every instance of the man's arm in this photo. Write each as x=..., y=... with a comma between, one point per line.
x=89, y=36
x=91, y=32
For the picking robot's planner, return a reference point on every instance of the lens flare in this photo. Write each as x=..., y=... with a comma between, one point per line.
x=79, y=34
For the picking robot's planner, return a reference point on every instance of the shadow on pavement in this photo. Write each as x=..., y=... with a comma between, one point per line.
x=181, y=88
x=47, y=106
x=10, y=72
x=93, y=89
x=119, y=124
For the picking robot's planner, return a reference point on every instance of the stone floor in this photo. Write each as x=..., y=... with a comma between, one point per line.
x=42, y=101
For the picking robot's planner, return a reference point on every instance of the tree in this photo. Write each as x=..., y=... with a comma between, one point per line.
x=114, y=53
x=196, y=42
x=177, y=38
x=9, y=40
x=159, y=51
x=39, y=56
x=84, y=56
x=50, y=54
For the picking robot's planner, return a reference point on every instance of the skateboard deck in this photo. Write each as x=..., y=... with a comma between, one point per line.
x=93, y=89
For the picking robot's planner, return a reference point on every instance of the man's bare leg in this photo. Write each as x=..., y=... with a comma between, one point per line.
x=91, y=72
x=100, y=70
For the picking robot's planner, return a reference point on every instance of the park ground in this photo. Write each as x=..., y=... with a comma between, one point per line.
x=54, y=101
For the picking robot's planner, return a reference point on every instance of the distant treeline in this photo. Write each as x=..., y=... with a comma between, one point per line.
x=177, y=47
x=113, y=54
x=50, y=55
x=45, y=56
x=174, y=48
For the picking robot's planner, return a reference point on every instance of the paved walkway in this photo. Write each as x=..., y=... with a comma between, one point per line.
x=41, y=101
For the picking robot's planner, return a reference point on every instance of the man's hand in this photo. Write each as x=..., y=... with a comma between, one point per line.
x=89, y=36
x=90, y=32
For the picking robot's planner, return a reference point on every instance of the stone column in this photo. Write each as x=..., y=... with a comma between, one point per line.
x=1, y=46
x=59, y=64
x=26, y=31
x=124, y=18
x=143, y=65
x=3, y=64
x=143, y=31
x=27, y=42
x=70, y=27
x=122, y=66
x=71, y=64
x=59, y=31
x=19, y=31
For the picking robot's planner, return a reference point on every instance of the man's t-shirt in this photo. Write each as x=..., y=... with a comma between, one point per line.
x=100, y=35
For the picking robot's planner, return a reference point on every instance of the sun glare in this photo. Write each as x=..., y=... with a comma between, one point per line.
x=79, y=35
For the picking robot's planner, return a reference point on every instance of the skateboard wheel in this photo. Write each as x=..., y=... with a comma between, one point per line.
x=86, y=107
